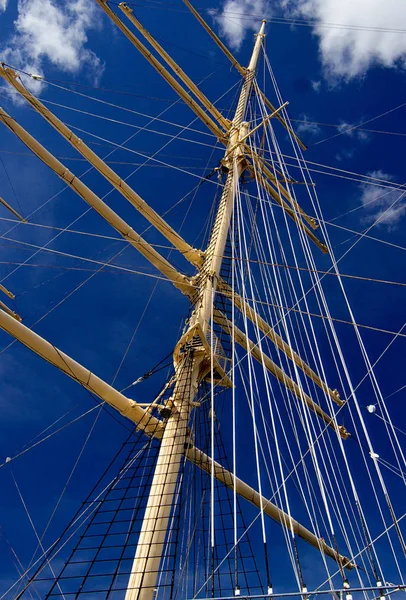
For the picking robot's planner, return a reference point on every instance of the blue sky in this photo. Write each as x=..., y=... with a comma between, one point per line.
x=341, y=76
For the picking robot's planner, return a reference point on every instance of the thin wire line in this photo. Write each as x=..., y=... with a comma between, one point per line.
x=352, y=128
x=44, y=439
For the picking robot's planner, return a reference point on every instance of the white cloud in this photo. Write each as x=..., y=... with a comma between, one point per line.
x=316, y=85
x=307, y=127
x=350, y=51
x=345, y=154
x=351, y=131
x=238, y=17
x=47, y=31
x=3, y=5
x=378, y=202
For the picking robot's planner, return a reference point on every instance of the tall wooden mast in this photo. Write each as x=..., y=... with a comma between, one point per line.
x=192, y=361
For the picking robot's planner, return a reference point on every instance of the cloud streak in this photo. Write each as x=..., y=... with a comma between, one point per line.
x=308, y=127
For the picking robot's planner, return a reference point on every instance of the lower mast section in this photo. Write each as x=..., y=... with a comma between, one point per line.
x=145, y=568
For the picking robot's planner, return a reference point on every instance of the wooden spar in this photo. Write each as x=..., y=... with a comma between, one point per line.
x=191, y=254
x=128, y=408
x=276, y=339
x=180, y=281
x=209, y=106
x=146, y=564
x=10, y=312
x=251, y=131
x=214, y=128
x=11, y=209
x=277, y=372
x=289, y=211
x=283, y=122
x=263, y=167
x=7, y=292
x=204, y=462
x=152, y=426
x=203, y=116
x=240, y=68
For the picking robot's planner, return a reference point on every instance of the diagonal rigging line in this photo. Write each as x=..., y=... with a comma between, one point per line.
x=146, y=157
x=395, y=392
x=122, y=147
x=74, y=521
x=328, y=318
x=64, y=230
x=130, y=110
x=90, y=169
x=283, y=266
x=339, y=126
x=11, y=185
x=139, y=128
x=379, y=358
x=17, y=562
x=80, y=285
x=346, y=131
x=297, y=303
x=83, y=258
x=154, y=276
x=91, y=276
x=363, y=233
x=34, y=529
x=93, y=425
x=47, y=437
x=369, y=178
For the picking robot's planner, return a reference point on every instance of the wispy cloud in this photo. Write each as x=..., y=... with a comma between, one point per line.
x=358, y=39
x=345, y=154
x=49, y=32
x=316, y=85
x=236, y=18
x=3, y=5
x=351, y=130
x=307, y=127
x=387, y=205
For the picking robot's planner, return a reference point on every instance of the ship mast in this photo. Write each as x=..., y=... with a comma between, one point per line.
x=196, y=356
x=190, y=365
